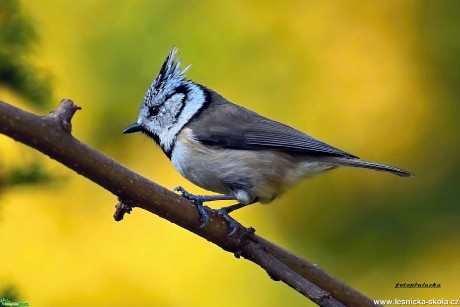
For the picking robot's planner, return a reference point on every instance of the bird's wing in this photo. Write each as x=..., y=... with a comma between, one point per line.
x=239, y=128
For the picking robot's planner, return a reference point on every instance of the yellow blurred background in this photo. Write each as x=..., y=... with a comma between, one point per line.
x=378, y=79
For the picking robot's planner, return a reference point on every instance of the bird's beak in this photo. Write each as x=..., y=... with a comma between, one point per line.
x=133, y=128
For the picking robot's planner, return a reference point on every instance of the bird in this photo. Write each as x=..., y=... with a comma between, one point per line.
x=230, y=150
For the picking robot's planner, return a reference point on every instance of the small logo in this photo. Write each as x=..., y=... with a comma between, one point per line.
x=418, y=285
x=7, y=302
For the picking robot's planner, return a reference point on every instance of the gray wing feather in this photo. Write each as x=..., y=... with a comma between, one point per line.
x=274, y=135
x=228, y=125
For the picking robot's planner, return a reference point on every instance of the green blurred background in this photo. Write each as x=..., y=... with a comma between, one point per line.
x=379, y=79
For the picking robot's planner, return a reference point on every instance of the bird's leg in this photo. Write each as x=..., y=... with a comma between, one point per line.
x=224, y=211
x=200, y=199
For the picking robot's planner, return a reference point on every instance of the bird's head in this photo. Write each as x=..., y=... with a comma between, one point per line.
x=169, y=104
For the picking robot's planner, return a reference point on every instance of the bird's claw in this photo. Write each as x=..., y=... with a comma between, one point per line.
x=197, y=200
x=232, y=223
x=183, y=192
x=204, y=217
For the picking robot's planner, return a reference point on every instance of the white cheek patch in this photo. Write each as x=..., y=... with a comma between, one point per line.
x=183, y=111
x=174, y=105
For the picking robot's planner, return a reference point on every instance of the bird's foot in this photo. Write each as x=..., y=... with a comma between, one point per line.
x=198, y=201
x=195, y=198
x=232, y=223
x=204, y=217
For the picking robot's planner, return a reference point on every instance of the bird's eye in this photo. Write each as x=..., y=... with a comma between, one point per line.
x=153, y=111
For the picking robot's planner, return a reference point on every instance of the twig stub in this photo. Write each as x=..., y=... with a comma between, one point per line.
x=120, y=210
x=65, y=112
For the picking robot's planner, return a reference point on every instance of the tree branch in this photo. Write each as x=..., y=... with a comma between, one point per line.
x=51, y=135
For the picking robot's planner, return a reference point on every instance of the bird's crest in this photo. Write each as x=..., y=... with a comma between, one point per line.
x=170, y=75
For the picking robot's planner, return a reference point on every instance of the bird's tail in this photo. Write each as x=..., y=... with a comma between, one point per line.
x=371, y=165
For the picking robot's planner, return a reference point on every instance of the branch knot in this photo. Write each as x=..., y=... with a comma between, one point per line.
x=64, y=113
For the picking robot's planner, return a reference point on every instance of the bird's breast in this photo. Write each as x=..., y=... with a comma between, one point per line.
x=198, y=163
